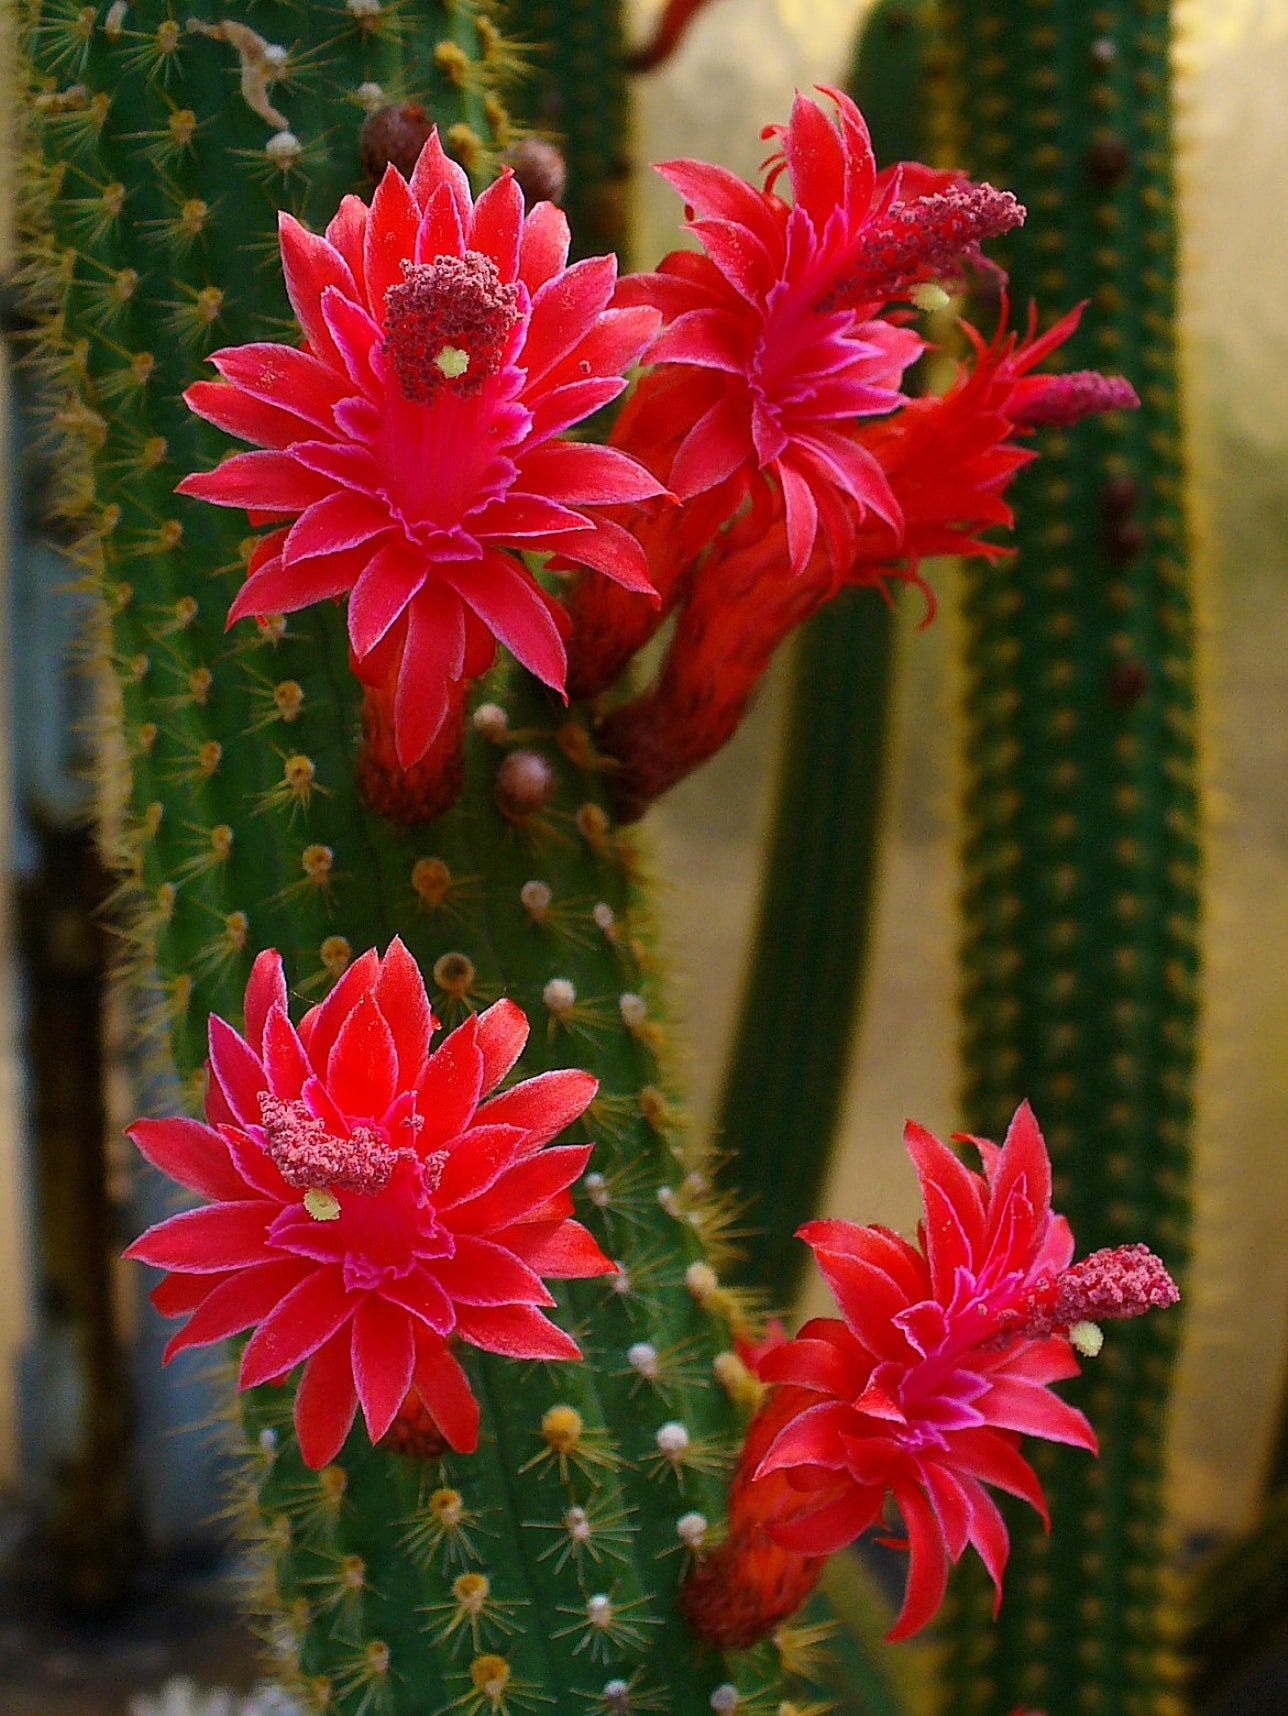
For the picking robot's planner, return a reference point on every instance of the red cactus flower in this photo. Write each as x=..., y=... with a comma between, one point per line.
x=779, y=342
x=414, y=440
x=948, y=459
x=366, y=1206
x=942, y=1357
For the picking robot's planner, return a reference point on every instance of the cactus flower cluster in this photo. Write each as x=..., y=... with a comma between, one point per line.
x=374, y=1204
x=769, y=455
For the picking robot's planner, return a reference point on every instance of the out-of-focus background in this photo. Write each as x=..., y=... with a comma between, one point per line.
x=737, y=67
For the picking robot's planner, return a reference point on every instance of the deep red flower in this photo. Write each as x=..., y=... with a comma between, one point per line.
x=414, y=440
x=781, y=341
x=942, y=1357
x=366, y=1206
x=757, y=375
x=948, y=459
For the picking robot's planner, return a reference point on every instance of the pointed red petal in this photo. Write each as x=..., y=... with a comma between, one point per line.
x=400, y=995
x=362, y=1068
x=325, y=1402
x=513, y=608
x=194, y=1155
x=297, y=1326
x=448, y=1092
x=390, y=237
x=384, y=1357
x=263, y=482
x=237, y=1303
x=517, y=1331
x=310, y=265
x=502, y=1033
x=927, y=1564
x=445, y=1389
x=544, y=1105
x=494, y=228
x=208, y=1240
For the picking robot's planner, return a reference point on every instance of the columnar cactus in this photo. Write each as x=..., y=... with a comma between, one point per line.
x=352, y=807
x=1081, y=846
x=537, y=1570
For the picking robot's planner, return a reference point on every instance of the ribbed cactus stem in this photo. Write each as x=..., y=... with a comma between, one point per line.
x=1081, y=842
x=539, y=1572
x=573, y=89
x=788, y=1066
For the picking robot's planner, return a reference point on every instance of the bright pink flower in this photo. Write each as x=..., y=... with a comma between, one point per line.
x=942, y=1357
x=768, y=381
x=366, y=1206
x=414, y=440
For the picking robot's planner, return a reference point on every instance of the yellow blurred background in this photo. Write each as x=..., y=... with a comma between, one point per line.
x=740, y=63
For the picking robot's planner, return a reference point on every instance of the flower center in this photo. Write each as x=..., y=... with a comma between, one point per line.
x=924, y=239
x=1121, y=1281
x=447, y=325
x=306, y=1154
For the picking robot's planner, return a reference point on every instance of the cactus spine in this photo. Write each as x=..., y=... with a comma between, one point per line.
x=1081, y=842
x=537, y=1573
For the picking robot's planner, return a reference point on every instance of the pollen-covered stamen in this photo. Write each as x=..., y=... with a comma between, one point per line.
x=306, y=1154
x=926, y=238
x=1056, y=401
x=1121, y=1281
x=447, y=325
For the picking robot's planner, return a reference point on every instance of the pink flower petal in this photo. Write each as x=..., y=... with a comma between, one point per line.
x=236, y=1303
x=208, y=1240
x=502, y=1033
x=494, y=227
x=384, y=1357
x=476, y=1161
x=522, y=1189
x=286, y=378
x=442, y=227
x=390, y=237
x=285, y=1062
x=194, y=1155
x=517, y=1331
x=432, y=663
x=512, y=607
x=395, y=572
x=583, y=474
x=822, y=1366
x=340, y=520
x=559, y=1250
x=346, y=232
x=297, y=1326
x=927, y=1564
x=563, y=309
x=280, y=589
x=1030, y=1409
x=543, y=247
x=265, y=989
x=320, y=1026
x=357, y=339
x=449, y=1087
x=233, y=411
x=542, y=1106
x=483, y=1273
x=362, y=1068
x=325, y=1402
x=436, y=167
x=400, y=995
x=837, y=1522
x=267, y=482
x=238, y=1070
x=310, y=265
x=445, y=1390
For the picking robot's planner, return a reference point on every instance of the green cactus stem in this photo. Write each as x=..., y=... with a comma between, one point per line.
x=1081, y=845
x=573, y=90
x=538, y=1573
x=785, y=1083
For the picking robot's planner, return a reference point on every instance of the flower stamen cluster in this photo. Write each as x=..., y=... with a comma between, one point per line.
x=448, y=323
x=926, y=238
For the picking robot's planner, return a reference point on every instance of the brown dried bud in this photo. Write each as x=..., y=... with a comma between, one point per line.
x=393, y=136
x=1128, y=683
x=1119, y=496
x=539, y=168
x=524, y=785
x=1107, y=162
